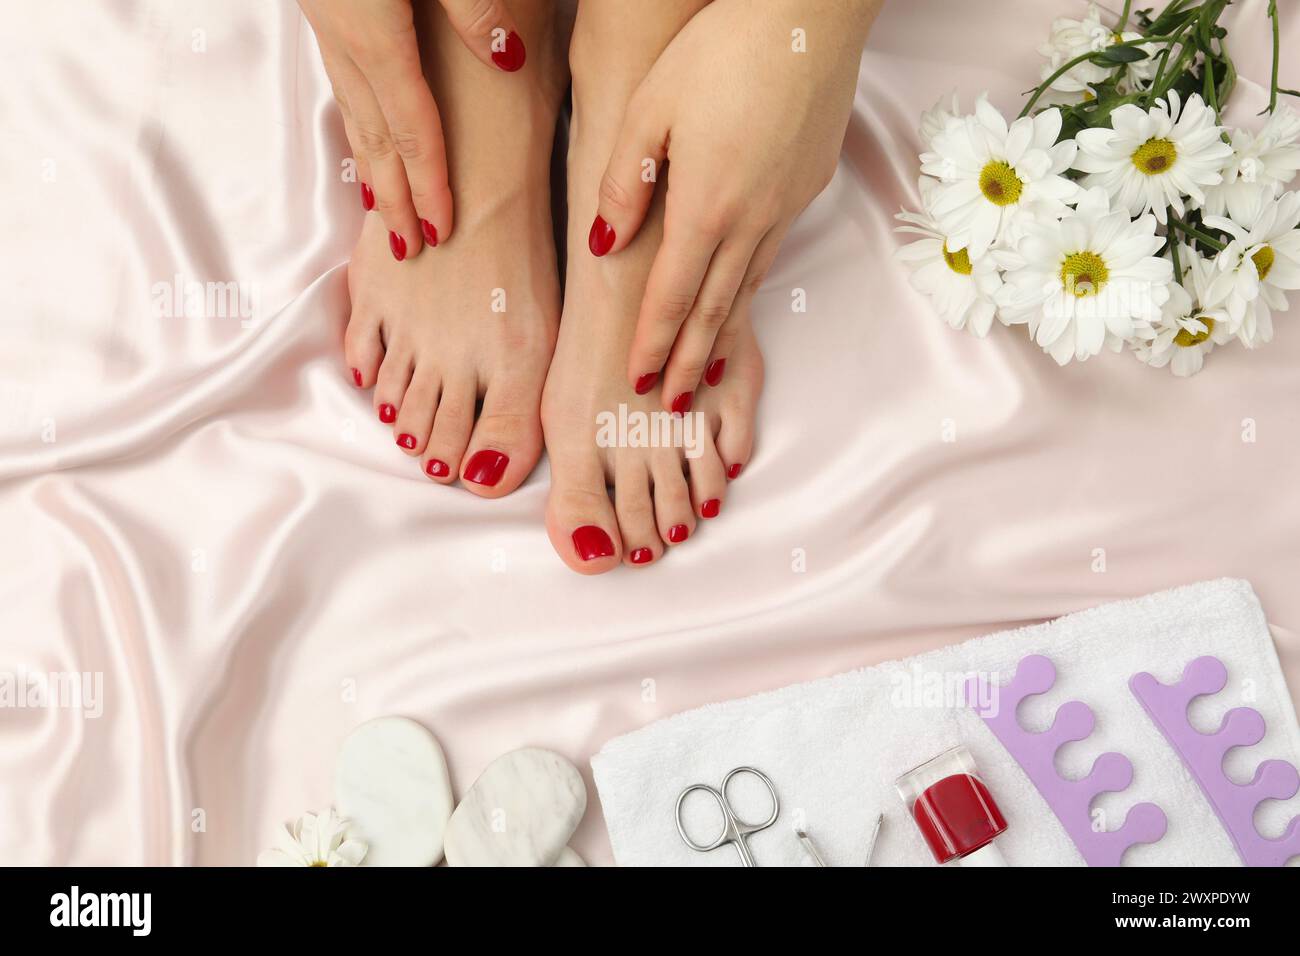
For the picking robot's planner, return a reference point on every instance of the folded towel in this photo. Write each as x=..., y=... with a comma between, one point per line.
x=833, y=747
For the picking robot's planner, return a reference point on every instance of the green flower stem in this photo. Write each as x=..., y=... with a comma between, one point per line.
x=1277, y=52
x=1195, y=233
x=1123, y=17
x=1083, y=58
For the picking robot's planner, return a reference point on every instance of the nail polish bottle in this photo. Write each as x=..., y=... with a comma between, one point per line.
x=953, y=809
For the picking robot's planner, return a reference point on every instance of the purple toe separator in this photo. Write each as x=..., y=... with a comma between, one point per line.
x=1203, y=754
x=1070, y=800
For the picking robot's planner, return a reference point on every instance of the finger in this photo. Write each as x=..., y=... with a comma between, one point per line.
x=349, y=130
x=759, y=264
x=629, y=181
x=695, y=340
x=488, y=30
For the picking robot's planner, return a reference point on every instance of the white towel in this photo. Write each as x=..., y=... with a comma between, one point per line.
x=833, y=747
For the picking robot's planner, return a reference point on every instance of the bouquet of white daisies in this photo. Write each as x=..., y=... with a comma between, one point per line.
x=1121, y=213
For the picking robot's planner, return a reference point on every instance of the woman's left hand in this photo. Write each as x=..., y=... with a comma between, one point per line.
x=749, y=104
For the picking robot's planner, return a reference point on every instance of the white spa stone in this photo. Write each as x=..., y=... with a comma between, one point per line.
x=521, y=811
x=569, y=857
x=391, y=782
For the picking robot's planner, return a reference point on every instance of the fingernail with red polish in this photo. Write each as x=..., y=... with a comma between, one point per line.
x=682, y=403
x=406, y=441
x=486, y=467
x=592, y=542
x=713, y=374
x=512, y=57
x=367, y=197
x=387, y=414
x=710, y=508
x=646, y=382
x=430, y=232
x=436, y=469
x=356, y=376
x=678, y=533
x=398, y=245
x=601, y=238
x=642, y=556
x=734, y=472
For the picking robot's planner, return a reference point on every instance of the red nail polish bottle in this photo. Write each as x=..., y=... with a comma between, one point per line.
x=952, y=808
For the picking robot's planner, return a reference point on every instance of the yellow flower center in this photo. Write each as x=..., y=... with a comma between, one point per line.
x=1000, y=184
x=1084, y=273
x=1155, y=156
x=1264, y=261
x=958, y=262
x=320, y=863
x=1187, y=338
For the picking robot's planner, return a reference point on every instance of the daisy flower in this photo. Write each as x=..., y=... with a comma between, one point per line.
x=961, y=289
x=935, y=120
x=1070, y=39
x=315, y=840
x=1259, y=266
x=1263, y=162
x=1087, y=281
x=991, y=173
x=1152, y=158
x=1186, y=333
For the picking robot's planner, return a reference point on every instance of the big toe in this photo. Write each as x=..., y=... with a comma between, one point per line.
x=506, y=442
x=580, y=519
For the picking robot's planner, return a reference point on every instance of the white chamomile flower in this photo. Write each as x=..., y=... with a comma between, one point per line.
x=1152, y=158
x=990, y=173
x=1186, y=332
x=935, y=120
x=1261, y=163
x=1071, y=39
x=1089, y=280
x=961, y=289
x=317, y=839
x=1259, y=266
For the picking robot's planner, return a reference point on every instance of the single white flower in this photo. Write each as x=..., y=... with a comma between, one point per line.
x=1070, y=39
x=1262, y=163
x=936, y=119
x=1087, y=281
x=962, y=290
x=990, y=173
x=1152, y=158
x=315, y=840
x=1186, y=332
x=1259, y=266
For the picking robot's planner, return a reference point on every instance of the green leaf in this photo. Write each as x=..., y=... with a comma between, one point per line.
x=1122, y=54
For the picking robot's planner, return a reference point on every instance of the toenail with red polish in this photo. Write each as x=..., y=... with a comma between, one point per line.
x=734, y=472
x=678, y=533
x=592, y=542
x=601, y=238
x=642, y=556
x=486, y=467
x=430, y=232
x=387, y=414
x=367, y=197
x=512, y=55
x=646, y=382
x=398, y=245
x=713, y=374
x=356, y=376
x=710, y=508
x=436, y=469
x=682, y=403
x=406, y=441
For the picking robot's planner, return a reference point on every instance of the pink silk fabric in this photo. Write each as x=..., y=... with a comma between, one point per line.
x=203, y=509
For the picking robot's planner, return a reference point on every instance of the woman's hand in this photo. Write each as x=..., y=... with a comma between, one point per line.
x=373, y=61
x=749, y=105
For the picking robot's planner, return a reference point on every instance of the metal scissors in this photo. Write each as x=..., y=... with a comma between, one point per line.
x=734, y=830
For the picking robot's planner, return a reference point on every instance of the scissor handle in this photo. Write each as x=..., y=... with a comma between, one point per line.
x=729, y=830
x=741, y=826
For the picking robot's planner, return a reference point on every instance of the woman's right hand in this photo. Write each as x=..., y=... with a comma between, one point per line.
x=373, y=60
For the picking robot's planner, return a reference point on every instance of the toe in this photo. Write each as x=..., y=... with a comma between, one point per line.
x=580, y=519
x=736, y=415
x=506, y=442
x=673, y=515
x=390, y=385
x=452, y=423
x=635, y=511
x=363, y=348
x=708, y=480
x=415, y=417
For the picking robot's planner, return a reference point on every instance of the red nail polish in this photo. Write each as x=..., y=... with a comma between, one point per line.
x=601, y=238
x=367, y=197
x=713, y=375
x=406, y=441
x=387, y=414
x=512, y=57
x=682, y=403
x=430, y=232
x=436, y=469
x=486, y=467
x=646, y=382
x=356, y=376
x=710, y=508
x=592, y=542
x=734, y=472
x=642, y=556
x=398, y=245
x=678, y=533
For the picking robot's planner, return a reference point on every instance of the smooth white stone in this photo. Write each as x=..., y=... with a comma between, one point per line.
x=391, y=782
x=521, y=811
x=569, y=857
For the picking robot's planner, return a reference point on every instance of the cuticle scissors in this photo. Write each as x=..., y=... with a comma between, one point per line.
x=734, y=830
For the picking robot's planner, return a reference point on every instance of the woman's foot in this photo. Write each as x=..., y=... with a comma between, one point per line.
x=456, y=341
